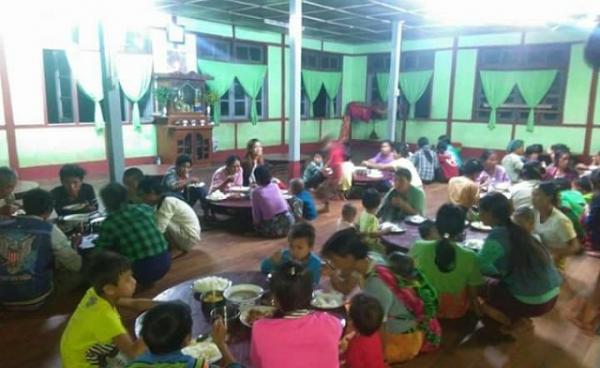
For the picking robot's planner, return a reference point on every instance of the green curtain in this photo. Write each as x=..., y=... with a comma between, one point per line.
x=413, y=85
x=251, y=77
x=497, y=86
x=534, y=85
x=85, y=66
x=134, y=72
x=383, y=80
x=331, y=82
x=313, y=80
x=223, y=76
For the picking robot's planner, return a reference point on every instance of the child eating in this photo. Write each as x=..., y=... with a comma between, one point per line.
x=166, y=329
x=95, y=335
x=312, y=176
x=348, y=217
x=364, y=346
x=309, y=210
x=301, y=239
x=368, y=224
x=428, y=231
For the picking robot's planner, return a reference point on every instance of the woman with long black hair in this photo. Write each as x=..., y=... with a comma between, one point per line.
x=528, y=282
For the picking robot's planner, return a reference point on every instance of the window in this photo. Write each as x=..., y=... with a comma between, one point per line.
x=224, y=49
x=235, y=104
x=321, y=108
x=514, y=109
x=317, y=60
x=409, y=61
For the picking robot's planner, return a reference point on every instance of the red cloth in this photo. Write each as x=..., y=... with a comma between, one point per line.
x=448, y=166
x=365, y=352
x=336, y=157
x=359, y=112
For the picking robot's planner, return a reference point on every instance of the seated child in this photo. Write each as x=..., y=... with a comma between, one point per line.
x=428, y=230
x=8, y=182
x=95, y=335
x=309, y=210
x=348, y=217
x=368, y=223
x=584, y=186
x=166, y=329
x=301, y=240
x=312, y=176
x=131, y=180
x=364, y=345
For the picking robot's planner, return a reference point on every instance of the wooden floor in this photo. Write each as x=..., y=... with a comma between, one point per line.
x=32, y=339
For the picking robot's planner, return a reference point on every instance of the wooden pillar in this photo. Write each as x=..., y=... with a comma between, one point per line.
x=452, y=85
x=394, y=78
x=590, y=114
x=294, y=95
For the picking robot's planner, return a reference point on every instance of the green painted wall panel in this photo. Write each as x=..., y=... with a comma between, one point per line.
x=3, y=149
x=466, y=63
x=493, y=39
x=547, y=135
x=430, y=129
x=441, y=84
x=354, y=79
x=274, y=82
x=269, y=133
x=257, y=35
x=480, y=136
x=365, y=48
x=331, y=127
x=309, y=131
x=550, y=36
x=362, y=130
x=224, y=134
x=595, y=146
x=343, y=48
x=287, y=81
x=578, y=88
x=427, y=44
x=140, y=144
x=196, y=25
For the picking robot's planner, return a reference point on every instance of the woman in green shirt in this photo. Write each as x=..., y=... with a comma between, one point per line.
x=528, y=282
x=403, y=199
x=452, y=270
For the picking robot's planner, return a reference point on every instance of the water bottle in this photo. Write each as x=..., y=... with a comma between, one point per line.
x=158, y=161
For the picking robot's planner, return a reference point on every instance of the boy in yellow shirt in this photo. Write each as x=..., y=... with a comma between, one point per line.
x=368, y=223
x=95, y=334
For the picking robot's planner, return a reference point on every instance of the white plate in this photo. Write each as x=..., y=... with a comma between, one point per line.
x=239, y=189
x=473, y=244
x=360, y=168
x=76, y=217
x=478, y=225
x=393, y=228
x=205, y=349
x=217, y=195
x=262, y=308
x=416, y=219
x=243, y=293
x=211, y=283
x=74, y=207
x=327, y=300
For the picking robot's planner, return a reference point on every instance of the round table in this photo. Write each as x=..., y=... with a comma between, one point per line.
x=362, y=179
x=153, y=169
x=239, y=335
x=403, y=242
x=282, y=158
x=24, y=186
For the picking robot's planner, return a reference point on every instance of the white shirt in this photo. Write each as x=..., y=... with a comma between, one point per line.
x=175, y=211
x=513, y=165
x=407, y=164
x=556, y=231
x=520, y=193
x=343, y=224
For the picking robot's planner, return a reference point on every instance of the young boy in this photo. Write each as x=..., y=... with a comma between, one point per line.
x=348, y=217
x=309, y=210
x=95, y=334
x=301, y=240
x=8, y=182
x=365, y=347
x=131, y=179
x=312, y=176
x=166, y=329
x=428, y=231
x=368, y=224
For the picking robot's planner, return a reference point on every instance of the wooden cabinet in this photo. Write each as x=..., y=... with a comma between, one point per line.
x=177, y=136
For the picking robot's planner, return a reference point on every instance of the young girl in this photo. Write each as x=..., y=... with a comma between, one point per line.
x=425, y=160
x=368, y=223
x=447, y=164
x=252, y=159
x=452, y=270
x=528, y=283
x=298, y=338
x=365, y=348
x=561, y=167
x=513, y=161
x=492, y=173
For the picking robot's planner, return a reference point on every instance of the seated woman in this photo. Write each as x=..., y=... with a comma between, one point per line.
x=448, y=166
x=402, y=200
x=492, y=173
x=130, y=230
x=463, y=190
x=425, y=160
x=174, y=218
x=528, y=284
x=451, y=150
x=230, y=175
x=561, y=167
x=554, y=227
x=385, y=156
x=452, y=270
x=296, y=337
x=252, y=159
x=73, y=191
x=408, y=330
x=534, y=152
x=521, y=192
x=270, y=211
x=513, y=161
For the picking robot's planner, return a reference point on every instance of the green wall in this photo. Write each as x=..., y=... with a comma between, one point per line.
x=3, y=149
x=441, y=84
x=571, y=136
x=478, y=135
x=578, y=88
x=464, y=86
x=354, y=80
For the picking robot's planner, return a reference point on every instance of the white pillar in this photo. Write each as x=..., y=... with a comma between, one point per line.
x=294, y=90
x=393, y=91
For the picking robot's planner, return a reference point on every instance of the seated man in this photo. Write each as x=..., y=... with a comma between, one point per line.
x=178, y=180
x=29, y=249
x=401, y=160
x=403, y=200
x=130, y=229
x=131, y=180
x=175, y=218
x=8, y=181
x=73, y=191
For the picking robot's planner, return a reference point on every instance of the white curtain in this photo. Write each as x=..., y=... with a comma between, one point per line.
x=85, y=66
x=134, y=72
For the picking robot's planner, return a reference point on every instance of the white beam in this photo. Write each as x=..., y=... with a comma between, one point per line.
x=294, y=90
x=393, y=91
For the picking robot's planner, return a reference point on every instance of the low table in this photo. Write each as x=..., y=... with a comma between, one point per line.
x=361, y=179
x=403, y=242
x=24, y=186
x=283, y=158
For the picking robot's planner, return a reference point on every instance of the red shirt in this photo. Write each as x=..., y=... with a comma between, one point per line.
x=336, y=157
x=365, y=352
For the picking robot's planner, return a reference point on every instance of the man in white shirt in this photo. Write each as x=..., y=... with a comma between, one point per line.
x=174, y=217
x=521, y=192
x=401, y=161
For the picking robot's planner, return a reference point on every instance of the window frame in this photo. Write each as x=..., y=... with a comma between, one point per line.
x=317, y=60
x=231, y=100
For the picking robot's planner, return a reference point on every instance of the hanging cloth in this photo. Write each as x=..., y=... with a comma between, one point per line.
x=223, y=76
x=497, y=86
x=252, y=78
x=314, y=80
x=412, y=84
x=134, y=72
x=534, y=85
x=86, y=68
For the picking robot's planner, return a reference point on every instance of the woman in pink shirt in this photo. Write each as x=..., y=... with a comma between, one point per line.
x=297, y=337
x=270, y=211
x=230, y=175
